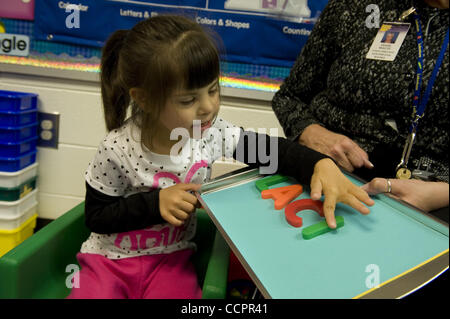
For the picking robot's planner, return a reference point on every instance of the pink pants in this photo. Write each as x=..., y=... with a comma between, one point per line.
x=162, y=276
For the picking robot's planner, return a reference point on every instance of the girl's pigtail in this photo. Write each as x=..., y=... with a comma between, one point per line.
x=115, y=95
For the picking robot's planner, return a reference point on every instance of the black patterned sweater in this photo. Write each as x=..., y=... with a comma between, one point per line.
x=333, y=84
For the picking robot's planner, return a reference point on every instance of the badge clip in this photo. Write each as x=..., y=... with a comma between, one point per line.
x=407, y=150
x=407, y=13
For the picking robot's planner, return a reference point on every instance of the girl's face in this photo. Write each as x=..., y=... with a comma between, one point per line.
x=185, y=106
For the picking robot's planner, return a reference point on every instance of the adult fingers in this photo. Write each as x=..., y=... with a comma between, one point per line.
x=376, y=186
x=365, y=157
x=343, y=161
x=355, y=154
x=338, y=153
x=355, y=159
x=368, y=164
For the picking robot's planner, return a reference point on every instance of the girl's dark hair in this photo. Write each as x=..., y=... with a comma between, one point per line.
x=158, y=55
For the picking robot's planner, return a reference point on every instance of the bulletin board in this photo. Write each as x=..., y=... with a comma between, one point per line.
x=253, y=31
x=261, y=38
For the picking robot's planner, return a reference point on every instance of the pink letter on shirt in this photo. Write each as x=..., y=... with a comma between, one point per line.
x=164, y=174
x=194, y=170
x=144, y=235
x=133, y=239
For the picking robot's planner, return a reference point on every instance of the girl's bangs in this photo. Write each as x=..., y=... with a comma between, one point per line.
x=189, y=64
x=198, y=61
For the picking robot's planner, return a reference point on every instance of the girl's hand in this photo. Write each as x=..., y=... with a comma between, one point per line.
x=426, y=196
x=176, y=204
x=329, y=180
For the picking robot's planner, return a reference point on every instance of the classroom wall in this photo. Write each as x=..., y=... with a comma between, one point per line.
x=61, y=171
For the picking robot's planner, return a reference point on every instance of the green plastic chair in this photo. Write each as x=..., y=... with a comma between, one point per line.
x=37, y=267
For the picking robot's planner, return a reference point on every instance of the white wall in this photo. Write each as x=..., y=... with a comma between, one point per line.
x=61, y=171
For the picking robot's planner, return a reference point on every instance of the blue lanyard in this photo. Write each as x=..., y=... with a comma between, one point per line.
x=419, y=104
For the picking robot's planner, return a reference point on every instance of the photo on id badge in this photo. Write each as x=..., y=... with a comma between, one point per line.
x=388, y=41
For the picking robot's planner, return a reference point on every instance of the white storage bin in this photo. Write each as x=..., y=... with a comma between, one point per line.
x=15, y=179
x=9, y=210
x=9, y=223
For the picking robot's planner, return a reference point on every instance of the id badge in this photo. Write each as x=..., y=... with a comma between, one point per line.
x=388, y=41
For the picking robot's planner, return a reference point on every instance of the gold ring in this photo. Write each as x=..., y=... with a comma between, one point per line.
x=389, y=186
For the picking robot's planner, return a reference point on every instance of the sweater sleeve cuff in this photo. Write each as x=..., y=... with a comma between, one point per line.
x=296, y=130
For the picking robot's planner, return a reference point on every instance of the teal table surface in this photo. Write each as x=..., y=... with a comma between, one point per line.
x=391, y=240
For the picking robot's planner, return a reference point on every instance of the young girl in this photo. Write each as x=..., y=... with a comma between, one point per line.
x=139, y=201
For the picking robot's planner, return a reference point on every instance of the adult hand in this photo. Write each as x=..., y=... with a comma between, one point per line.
x=426, y=196
x=176, y=204
x=342, y=149
x=329, y=180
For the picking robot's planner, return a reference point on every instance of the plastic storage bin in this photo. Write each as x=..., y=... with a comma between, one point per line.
x=11, y=238
x=12, y=164
x=15, y=179
x=16, y=193
x=18, y=133
x=10, y=223
x=12, y=118
x=17, y=101
x=17, y=208
x=14, y=149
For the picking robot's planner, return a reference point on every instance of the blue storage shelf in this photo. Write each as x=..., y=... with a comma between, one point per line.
x=14, y=118
x=10, y=134
x=13, y=164
x=17, y=101
x=14, y=149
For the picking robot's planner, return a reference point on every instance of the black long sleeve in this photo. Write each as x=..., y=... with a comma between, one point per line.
x=112, y=214
x=291, y=158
